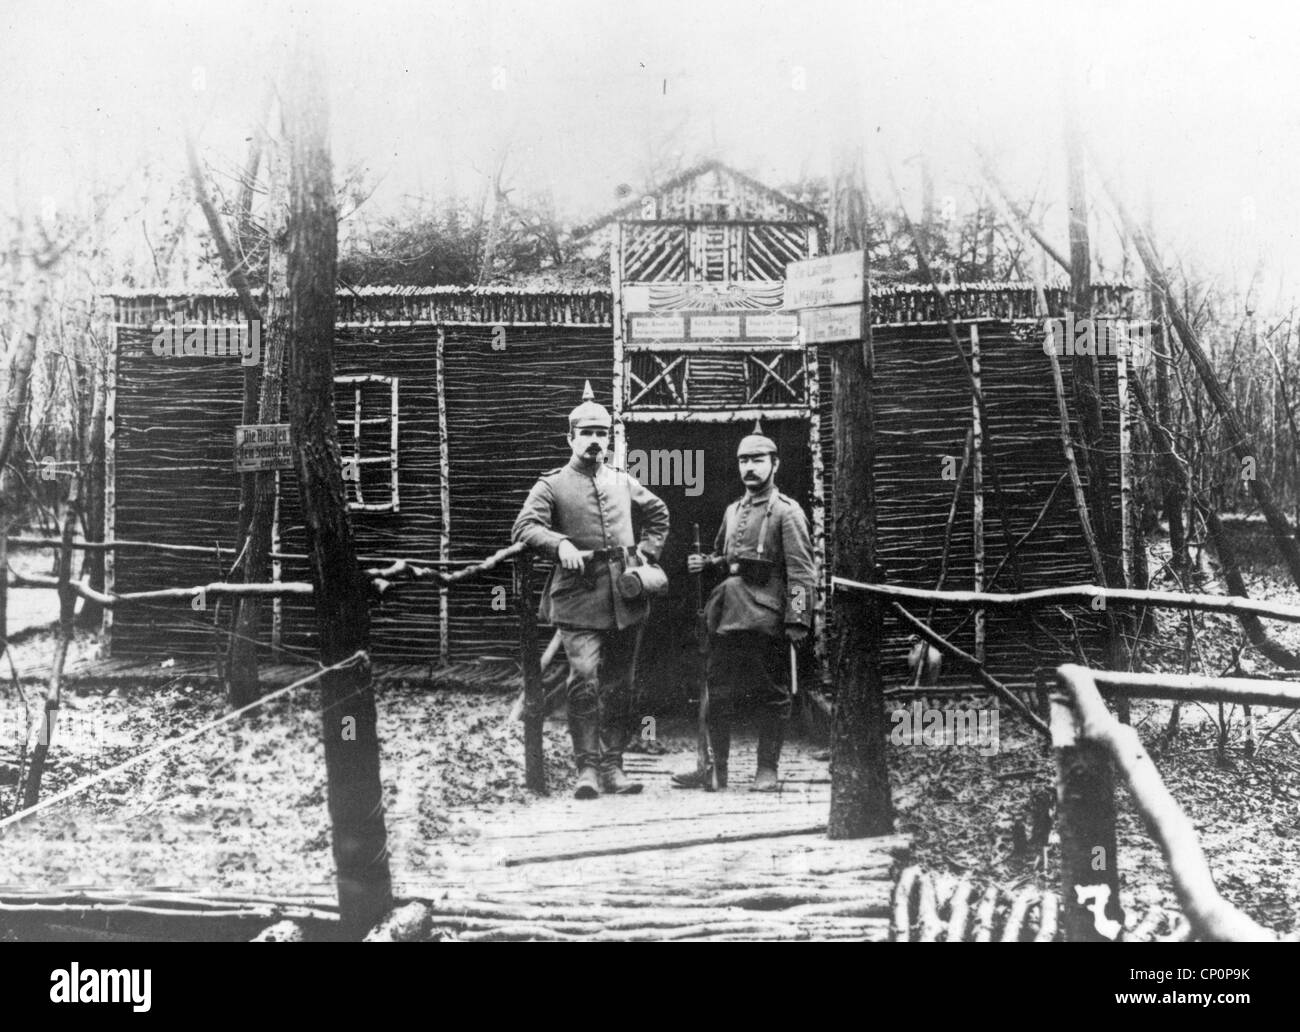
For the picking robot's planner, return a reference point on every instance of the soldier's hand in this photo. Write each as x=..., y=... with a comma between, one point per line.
x=795, y=633
x=695, y=562
x=570, y=557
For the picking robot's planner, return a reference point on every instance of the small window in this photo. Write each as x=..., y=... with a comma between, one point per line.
x=367, y=415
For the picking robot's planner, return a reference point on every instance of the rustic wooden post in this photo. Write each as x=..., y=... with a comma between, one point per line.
x=444, y=501
x=860, y=800
x=530, y=665
x=1085, y=808
x=54, y=687
x=341, y=595
x=1086, y=376
x=257, y=529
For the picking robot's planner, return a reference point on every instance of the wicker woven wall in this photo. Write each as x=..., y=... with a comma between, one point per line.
x=506, y=398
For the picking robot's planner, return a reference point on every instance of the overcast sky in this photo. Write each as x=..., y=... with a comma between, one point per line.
x=1196, y=106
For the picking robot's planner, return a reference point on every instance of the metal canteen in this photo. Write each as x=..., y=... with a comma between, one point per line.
x=643, y=582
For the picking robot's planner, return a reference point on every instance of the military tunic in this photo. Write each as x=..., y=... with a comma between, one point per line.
x=779, y=525
x=591, y=507
x=747, y=620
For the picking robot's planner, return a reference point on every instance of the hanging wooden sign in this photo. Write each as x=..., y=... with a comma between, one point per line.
x=262, y=446
x=829, y=325
x=817, y=282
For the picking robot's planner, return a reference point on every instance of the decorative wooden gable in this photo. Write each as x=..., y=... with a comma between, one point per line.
x=713, y=225
x=715, y=193
x=699, y=270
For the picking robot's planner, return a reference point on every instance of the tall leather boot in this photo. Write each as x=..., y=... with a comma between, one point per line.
x=586, y=754
x=771, y=736
x=613, y=736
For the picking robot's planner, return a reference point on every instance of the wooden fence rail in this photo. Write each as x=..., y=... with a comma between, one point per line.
x=1090, y=744
x=1081, y=594
x=381, y=579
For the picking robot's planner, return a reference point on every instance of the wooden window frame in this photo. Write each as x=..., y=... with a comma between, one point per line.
x=357, y=380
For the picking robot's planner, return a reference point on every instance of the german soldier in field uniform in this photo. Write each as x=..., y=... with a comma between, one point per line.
x=765, y=601
x=586, y=507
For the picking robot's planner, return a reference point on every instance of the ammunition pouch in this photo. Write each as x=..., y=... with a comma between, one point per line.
x=753, y=571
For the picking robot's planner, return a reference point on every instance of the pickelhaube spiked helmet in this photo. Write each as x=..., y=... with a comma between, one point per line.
x=589, y=413
x=756, y=442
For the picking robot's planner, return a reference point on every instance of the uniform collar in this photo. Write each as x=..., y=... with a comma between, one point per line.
x=761, y=497
x=587, y=469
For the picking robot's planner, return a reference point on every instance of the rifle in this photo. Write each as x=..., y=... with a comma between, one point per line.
x=704, y=742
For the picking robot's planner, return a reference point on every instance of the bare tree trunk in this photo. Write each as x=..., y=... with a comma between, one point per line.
x=1241, y=442
x=92, y=464
x=54, y=687
x=860, y=800
x=20, y=370
x=1236, y=584
x=341, y=592
x=1087, y=393
x=499, y=200
x=242, y=685
x=1172, y=497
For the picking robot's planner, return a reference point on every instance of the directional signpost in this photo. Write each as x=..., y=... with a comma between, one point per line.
x=829, y=294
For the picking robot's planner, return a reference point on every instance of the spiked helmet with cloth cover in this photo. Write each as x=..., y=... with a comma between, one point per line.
x=589, y=413
x=756, y=442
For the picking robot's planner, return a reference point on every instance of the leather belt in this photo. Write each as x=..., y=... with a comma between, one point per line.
x=608, y=554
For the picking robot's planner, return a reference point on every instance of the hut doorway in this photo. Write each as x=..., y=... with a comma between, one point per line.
x=692, y=467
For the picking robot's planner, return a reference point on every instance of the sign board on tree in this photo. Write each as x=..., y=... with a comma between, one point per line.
x=262, y=446
x=836, y=280
x=828, y=325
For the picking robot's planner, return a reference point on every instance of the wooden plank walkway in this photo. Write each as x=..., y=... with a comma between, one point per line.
x=665, y=865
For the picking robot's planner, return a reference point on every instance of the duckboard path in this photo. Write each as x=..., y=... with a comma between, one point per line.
x=668, y=864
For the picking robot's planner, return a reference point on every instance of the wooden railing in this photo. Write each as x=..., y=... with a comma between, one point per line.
x=1090, y=745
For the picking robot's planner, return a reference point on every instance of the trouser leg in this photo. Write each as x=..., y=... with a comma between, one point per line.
x=582, y=648
x=772, y=691
x=615, y=695
x=726, y=653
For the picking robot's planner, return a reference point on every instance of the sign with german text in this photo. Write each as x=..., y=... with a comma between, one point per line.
x=658, y=327
x=262, y=446
x=836, y=280
x=828, y=325
x=710, y=327
x=771, y=327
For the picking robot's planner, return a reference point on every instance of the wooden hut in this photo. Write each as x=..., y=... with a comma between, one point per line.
x=452, y=399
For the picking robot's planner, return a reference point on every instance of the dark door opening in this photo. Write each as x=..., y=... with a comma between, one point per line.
x=698, y=463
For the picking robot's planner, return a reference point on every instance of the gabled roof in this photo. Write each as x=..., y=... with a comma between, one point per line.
x=801, y=212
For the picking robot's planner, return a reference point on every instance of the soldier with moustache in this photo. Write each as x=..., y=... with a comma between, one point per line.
x=586, y=507
x=764, y=602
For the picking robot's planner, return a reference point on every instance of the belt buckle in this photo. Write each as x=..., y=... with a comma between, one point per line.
x=733, y=569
